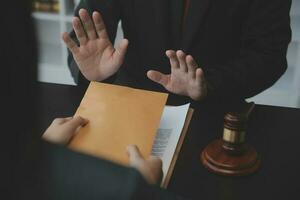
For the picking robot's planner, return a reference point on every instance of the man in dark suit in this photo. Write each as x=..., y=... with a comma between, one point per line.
x=215, y=50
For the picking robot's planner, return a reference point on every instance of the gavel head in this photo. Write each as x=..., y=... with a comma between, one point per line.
x=234, y=133
x=235, y=125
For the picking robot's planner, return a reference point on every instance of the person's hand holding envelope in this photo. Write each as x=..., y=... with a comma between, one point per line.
x=62, y=130
x=111, y=119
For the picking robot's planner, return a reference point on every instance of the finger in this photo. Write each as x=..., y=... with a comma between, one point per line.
x=73, y=124
x=173, y=59
x=120, y=52
x=192, y=66
x=199, y=75
x=88, y=24
x=99, y=25
x=156, y=161
x=79, y=31
x=135, y=157
x=59, y=120
x=72, y=46
x=68, y=119
x=181, y=57
x=156, y=165
x=158, y=77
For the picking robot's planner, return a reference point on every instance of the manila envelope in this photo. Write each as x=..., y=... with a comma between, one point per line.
x=118, y=116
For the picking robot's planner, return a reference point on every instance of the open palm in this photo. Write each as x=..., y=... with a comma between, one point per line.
x=96, y=57
x=185, y=77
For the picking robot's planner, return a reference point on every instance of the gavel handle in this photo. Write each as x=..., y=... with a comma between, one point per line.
x=249, y=108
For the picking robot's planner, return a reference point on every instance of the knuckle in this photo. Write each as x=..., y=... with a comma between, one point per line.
x=78, y=118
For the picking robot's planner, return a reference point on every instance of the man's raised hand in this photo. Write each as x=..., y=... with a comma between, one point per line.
x=95, y=56
x=185, y=78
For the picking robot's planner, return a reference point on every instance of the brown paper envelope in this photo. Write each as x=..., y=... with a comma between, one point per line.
x=118, y=116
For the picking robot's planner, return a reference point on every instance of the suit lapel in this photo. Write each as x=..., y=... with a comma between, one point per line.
x=196, y=14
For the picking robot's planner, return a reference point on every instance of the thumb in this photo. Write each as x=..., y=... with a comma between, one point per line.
x=158, y=77
x=155, y=162
x=135, y=157
x=120, y=52
x=73, y=124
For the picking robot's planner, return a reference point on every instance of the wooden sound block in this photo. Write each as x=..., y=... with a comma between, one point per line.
x=230, y=160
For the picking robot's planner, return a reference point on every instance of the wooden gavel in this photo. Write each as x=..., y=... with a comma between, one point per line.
x=231, y=155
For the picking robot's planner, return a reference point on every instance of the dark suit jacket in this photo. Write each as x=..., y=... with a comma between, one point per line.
x=240, y=44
